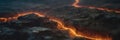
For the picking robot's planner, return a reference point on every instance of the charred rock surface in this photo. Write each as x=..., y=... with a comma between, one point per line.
x=90, y=18
x=31, y=27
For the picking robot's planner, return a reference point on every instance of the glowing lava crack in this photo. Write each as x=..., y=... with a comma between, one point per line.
x=61, y=26
x=75, y=4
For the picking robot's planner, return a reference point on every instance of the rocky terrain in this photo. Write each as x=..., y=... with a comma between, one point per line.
x=32, y=27
x=90, y=18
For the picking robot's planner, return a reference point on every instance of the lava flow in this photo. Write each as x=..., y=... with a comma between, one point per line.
x=61, y=26
x=75, y=33
x=18, y=15
x=75, y=4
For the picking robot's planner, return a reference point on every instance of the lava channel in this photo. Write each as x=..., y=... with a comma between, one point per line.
x=76, y=4
x=61, y=26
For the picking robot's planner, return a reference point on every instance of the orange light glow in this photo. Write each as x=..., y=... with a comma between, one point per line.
x=75, y=4
x=3, y=19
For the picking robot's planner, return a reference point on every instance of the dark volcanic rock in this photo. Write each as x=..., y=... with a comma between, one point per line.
x=89, y=18
x=31, y=27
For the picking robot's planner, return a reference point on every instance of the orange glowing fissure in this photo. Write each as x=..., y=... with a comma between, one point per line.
x=71, y=29
x=18, y=15
x=75, y=4
x=61, y=26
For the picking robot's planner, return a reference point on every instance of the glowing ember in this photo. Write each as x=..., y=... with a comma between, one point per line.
x=75, y=4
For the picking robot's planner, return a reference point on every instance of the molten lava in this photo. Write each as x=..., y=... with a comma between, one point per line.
x=75, y=33
x=61, y=26
x=18, y=15
x=72, y=30
x=75, y=4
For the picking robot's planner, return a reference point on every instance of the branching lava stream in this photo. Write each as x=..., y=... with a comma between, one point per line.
x=75, y=4
x=61, y=26
x=71, y=29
